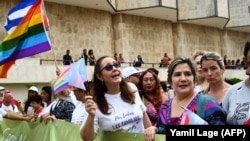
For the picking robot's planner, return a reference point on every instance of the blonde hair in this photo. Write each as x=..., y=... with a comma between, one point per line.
x=204, y=85
x=198, y=53
x=213, y=56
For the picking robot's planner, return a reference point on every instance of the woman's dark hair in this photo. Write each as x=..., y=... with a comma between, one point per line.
x=98, y=89
x=48, y=89
x=154, y=70
x=164, y=86
x=27, y=102
x=90, y=52
x=36, y=98
x=246, y=48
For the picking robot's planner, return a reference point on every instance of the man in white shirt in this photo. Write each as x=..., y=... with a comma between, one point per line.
x=7, y=105
x=13, y=116
x=131, y=74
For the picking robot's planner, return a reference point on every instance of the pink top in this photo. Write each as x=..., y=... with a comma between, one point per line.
x=152, y=113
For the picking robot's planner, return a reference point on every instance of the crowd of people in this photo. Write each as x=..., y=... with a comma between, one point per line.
x=138, y=61
x=132, y=100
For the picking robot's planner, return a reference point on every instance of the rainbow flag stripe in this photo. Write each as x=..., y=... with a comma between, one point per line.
x=5, y=68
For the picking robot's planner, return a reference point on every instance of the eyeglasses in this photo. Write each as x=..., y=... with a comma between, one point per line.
x=109, y=67
x=151, y=79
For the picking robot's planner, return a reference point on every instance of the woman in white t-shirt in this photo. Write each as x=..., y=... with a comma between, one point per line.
x=116, y=105
x=79, y=115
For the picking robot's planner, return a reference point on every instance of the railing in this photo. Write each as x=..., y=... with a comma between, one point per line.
x=50, y=60
x=124, y=64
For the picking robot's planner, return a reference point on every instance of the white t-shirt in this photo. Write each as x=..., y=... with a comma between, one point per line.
x=47, y=109
x=73, y=98
x=30, y=110
x=79, y=115
x=2, y=113
x=11, y=108
x=236, y=103
x=124, y=117
x=198, y=88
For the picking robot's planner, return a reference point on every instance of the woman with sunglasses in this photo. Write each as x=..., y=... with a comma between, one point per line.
x=115, y=105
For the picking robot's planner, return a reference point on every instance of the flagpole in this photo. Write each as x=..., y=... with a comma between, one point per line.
x=53, y=51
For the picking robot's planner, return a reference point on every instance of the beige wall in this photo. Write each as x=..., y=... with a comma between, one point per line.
x=135, y=35
x=239, y=13
x=189, y=9
x=76, y=28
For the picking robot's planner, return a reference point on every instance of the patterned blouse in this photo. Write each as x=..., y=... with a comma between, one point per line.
x=203, y=105
x=152, y=113
x=63, y=110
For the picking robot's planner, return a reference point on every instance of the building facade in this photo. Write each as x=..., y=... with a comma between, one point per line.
x=146, y=27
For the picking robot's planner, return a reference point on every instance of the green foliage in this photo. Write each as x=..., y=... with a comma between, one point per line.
x=232, y=80
x=28, y=85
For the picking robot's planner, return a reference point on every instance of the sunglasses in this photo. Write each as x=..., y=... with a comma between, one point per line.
x=109, y=67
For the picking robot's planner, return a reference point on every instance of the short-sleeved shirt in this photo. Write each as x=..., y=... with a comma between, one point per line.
x=79, y=115
x=124, y=117
x=2, y=113
x=67, y=59
x=236, y=103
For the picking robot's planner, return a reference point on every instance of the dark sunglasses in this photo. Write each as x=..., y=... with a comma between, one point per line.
x=109, y=67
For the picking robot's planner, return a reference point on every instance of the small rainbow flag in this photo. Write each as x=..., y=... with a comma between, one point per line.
x=191, y=118
x=73, y=75
x=61, y=82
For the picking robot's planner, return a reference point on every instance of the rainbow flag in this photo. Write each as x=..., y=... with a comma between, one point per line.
x=28, y=38
x=73, y=75
x=191, y=118
x=16, y=15
x=61, y=82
